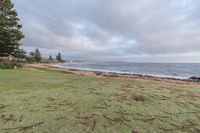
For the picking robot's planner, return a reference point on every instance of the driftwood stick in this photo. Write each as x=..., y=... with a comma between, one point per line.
x=23, y=128
x=86, y=117
x=121, y=119
x=145, y=120
x=168, y=130
x=59, y=118
x=94, y=124
x=31, y=126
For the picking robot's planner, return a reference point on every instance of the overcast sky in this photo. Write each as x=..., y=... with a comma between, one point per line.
x=123, y=30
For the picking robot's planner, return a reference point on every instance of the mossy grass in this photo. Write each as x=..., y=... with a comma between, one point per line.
x=39, y=100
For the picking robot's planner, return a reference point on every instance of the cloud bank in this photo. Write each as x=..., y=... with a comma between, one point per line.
x=131, y=30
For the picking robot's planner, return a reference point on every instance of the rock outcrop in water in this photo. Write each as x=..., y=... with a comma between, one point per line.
x=195, y=78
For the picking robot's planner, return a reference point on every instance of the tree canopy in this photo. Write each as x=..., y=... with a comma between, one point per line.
x=58, y=57
x=50, y=58
x=10, y=33
x=38, y=56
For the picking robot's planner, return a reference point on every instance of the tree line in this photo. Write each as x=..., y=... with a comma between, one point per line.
x=11, y=35
x=36, y=56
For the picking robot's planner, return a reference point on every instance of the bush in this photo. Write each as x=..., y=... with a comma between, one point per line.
x=9, y=65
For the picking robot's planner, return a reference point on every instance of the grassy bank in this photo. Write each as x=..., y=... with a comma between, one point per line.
x=44, y=101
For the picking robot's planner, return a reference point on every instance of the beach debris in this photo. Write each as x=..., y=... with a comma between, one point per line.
x=51, y=107
x=134, y=131
x=88, y=121
x=96, y=93
x=181, y=104
x=51, y=99
x=121, y=119
x=185, y=126
x=2, y=106
x=24, y=128
x=125, y=90
x=114, y=95
x=85, y=117
x=173, y=114
x=21, y=118
x=34, y=110
x=101, y=104
x=54, y=106
x=66, y=103
x=145, y=120
x=139, y=98
x=161, y=116
x=159, y=97
x=60, y=118
x=9, y=118
x=167, y=130
x=123, y=113
x=94, y=124
x=75, y=109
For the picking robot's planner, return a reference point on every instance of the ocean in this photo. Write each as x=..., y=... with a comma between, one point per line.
x=172, y=70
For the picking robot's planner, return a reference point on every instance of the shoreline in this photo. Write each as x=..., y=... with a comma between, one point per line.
x=113, y=74
x=119, y=72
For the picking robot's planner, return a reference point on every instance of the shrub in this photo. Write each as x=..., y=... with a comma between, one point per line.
x=9, y=65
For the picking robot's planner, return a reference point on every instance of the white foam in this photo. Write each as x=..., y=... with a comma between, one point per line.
x=120, y=72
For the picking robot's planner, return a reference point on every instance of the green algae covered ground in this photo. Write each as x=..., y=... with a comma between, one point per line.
x=44, y=101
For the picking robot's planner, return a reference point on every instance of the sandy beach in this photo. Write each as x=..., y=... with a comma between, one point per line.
x=113, y=74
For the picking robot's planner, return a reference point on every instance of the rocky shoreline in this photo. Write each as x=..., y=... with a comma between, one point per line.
x=193, y=80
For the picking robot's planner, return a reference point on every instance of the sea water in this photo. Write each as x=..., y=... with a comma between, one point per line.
x=174, y=70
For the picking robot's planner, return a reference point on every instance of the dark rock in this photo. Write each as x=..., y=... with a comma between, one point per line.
x=195, y=78
x=98, y=73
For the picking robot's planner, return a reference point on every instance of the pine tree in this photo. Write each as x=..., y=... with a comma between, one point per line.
x=32, y=54
x=10, y=33
x=31, y=57
x=50, y=58
x=58, y=57
x=20, y=53
x=38, y=56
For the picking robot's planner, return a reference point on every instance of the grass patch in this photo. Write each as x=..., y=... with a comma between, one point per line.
x=9, y=65
x=39, y=100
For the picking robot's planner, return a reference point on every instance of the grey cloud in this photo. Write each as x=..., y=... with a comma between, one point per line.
x=112, y=28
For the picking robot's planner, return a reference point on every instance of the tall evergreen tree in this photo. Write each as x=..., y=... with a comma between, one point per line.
x=32, y=54
x=58, y=57
x=50, y=58
x=20, y=54
x=31, y=57
x=38, y=56
x=10, y=33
